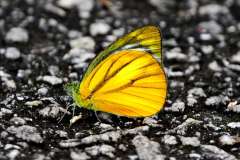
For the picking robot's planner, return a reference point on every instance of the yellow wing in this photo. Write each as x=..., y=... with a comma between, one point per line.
x=129, y=83
x=146, y=39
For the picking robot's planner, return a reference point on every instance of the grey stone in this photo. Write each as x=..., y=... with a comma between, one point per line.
x=169, y=140
x=12, y=53
x=103, y=149
x=42, y=91
x=55, y=10
x=13, y=154
x=214, y=66
x=147, y=149
x=182, y=128
x=198, y=92
x=99, y=28
x=52, y=111
x=216, y=100
x=176, y=54
x=53, y=80
x=211, y=26
x=213, y=152
x=18, y=121
x=83, y=43
x=17, y=34
x=26, y=132
x=229, y=140
x=234, y=124
x=62, y=134
x=79, y=155
x=213, y=10
x=236, y=57
x=177, y=106
x=190, y=141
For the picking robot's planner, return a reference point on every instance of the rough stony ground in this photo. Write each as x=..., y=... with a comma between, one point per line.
x=46, y=43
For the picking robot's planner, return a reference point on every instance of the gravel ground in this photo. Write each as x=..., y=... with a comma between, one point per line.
x=44, y=44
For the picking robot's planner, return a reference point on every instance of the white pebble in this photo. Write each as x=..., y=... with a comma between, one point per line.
x=176, y=54
x=169, y=140
x=190, y=141
x=13, y=154
x=227, y=140
x=177, y=106
x=236, y=57
x=53, y=80
x=12, y=53
x=207, y=49
x=99, y=28
x=42, y=91
x=146, y=148
x=214, y=66
x=83, y=42
x=216, y=100
x=17, y=34
x=198, y=92
x=234, y=125
x=205, y=36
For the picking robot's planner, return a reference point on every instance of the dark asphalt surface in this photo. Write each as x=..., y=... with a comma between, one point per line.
x=44, y=44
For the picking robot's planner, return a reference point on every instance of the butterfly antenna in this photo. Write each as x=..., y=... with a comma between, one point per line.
x=74, y=109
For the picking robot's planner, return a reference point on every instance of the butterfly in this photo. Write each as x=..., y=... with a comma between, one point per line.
x=125, y=79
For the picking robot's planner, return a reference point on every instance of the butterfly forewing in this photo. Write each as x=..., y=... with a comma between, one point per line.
x=146, y=39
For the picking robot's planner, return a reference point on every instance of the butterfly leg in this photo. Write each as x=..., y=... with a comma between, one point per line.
x=95, y=112
x=65, y=112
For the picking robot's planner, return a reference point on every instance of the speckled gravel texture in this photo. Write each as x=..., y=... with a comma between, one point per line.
x=46, y=43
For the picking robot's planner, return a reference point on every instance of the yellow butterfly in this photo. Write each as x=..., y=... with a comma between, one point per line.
x=125, y=79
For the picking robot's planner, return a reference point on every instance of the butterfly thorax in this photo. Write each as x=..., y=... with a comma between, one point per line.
x=73, y=91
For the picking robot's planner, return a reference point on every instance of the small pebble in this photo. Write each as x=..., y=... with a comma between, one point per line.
x=34, y=103
x=169, y=140
x=214, y=66
x=197, y=92
x=229, y=140
x=190, y=141
x=103, y=149
x=83, y=43
x=177, y=106
x=207, y=49
x=18, y=121
x=176, y=54
x=13, y=154
x=26, y=132
x=216, y=100
x=205, y=36
x=52, y=111
x=147, y=149
x=99, y=28
x=53, y=80
x=42, y=91
x=211, y=27
x=17, y=35
x=12, y=53
x=213, y=152
x=234, y=124
x=236, y=57
x=79, y=155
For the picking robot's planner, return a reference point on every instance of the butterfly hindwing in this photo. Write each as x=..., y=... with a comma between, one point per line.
x=129, y=83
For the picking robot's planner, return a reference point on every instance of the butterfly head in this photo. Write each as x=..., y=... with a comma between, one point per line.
x=71, y=88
